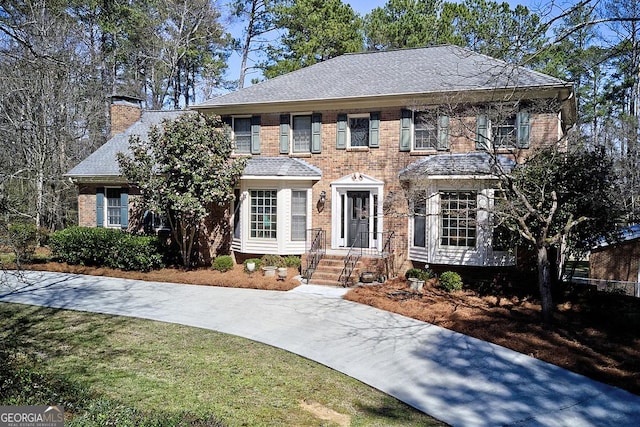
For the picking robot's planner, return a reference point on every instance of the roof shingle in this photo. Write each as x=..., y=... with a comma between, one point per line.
x=396, y=72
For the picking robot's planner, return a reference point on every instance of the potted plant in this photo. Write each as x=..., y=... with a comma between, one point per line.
x=282, y=273
x=269, y=270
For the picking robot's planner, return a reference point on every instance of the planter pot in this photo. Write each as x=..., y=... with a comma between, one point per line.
x=269, y=271
x=282, y=273
x=367, y=277
x=251, y=267
x=415, y=284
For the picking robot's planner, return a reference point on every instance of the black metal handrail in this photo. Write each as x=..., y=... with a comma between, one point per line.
x=352, y=258
x=356, y=251
x=316, y=247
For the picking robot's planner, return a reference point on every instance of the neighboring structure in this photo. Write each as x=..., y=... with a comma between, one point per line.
x=370, y=147
x=617, y=261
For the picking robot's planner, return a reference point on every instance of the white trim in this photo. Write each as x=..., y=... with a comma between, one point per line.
x=357, y=116
x=291, y=116
x=339, y=218
x=105, y=208
x=233, y=134
x=282, y=244
x=434, y=253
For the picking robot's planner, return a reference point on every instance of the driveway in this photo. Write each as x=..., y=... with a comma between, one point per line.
x=455, y=378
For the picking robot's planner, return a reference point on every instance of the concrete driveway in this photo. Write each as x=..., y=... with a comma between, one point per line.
x=455, y=378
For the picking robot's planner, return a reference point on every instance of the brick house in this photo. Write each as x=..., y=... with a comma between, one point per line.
x=618, y=261
x=392, y=153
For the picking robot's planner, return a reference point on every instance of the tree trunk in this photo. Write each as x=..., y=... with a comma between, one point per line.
x=544, y=283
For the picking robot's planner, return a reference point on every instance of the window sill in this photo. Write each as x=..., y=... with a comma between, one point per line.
x=358, y=149
x=300, y=155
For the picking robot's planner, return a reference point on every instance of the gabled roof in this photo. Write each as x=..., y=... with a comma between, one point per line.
x=103, y=162
x=467, y=164
x=437, y=69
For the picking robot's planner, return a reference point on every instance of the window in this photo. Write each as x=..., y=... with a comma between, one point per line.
x=359, y=131
x=236, y=214
x=264, y=217
x=153, y=222
x=504, y=133
x=114, y=207
x=301, y=134
x=509, y=132
x=419, y=224
x=502, y=238
x=425, y=131
x=242, y=134
x=298, y=214
x=458, y=218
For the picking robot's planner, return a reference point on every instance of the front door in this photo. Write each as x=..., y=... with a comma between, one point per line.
x=358, y=218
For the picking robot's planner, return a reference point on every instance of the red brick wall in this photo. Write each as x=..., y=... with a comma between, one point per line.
x=616, y=262
x=122, y=117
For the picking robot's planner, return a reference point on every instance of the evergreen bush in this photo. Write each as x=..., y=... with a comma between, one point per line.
x=223, y=263
x=273, y=260
x=450, y=281
x=106, y=247
x=292, y=261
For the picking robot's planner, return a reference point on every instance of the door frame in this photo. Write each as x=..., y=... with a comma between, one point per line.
x=339, y=208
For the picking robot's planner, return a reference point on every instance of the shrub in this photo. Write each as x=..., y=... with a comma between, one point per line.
x=23, y=239
x=256, y=261
x=292, y=261
x=419, y=274
x=106, y=247
x=450, y=281
x=223, y=263
x=273, y=260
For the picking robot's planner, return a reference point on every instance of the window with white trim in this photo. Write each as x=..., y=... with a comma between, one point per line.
x=504, y=133
x=301, y=133
x=425, y=131
x=298, y=214
x=264, y=218
x=358, y=130
x=113, y=207
x=419, y=223
x=242, y=134
x=458, y=226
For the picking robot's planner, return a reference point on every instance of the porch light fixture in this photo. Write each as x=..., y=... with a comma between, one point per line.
x=321, y=201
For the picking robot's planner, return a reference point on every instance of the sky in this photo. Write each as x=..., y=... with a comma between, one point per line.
x=362, y=7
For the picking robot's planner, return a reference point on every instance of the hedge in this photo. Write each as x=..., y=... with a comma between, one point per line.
x=106, y=247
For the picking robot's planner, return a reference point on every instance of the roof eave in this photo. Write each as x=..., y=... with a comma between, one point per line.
x=97, y=179
x=392, y=100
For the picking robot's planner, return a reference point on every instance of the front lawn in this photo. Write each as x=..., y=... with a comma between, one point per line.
x=110, y=370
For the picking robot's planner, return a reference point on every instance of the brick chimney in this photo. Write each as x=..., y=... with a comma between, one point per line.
x=124, y=111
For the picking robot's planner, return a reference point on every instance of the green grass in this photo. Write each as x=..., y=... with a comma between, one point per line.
x=107, y=369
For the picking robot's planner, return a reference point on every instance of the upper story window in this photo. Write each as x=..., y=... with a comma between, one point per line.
x=511, y=131
x=301, y=134
x=358, y=131
x=504, y=133
x=242, y=134
x=423, y=131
